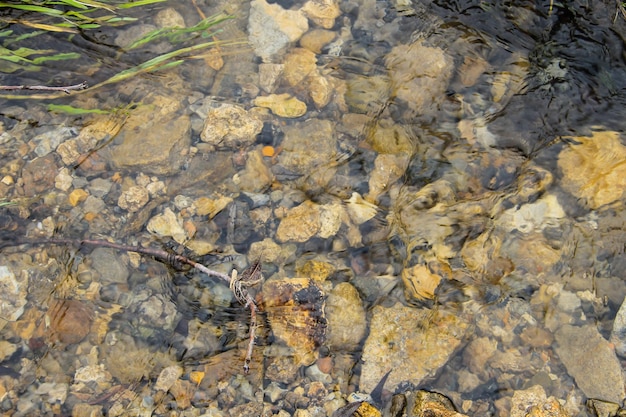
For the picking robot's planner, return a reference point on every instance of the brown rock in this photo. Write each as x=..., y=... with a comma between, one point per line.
x=419, y=75
x=314, y=40
x=77, y=196
x=298, y=64
x=420, y=283
x=322, y=12
x=295, y=311
x=432, y=404
x=70, y=321
x=533, y=402
x=592, y=361
x=39, y=175
x=300, y=224
x=138, y=146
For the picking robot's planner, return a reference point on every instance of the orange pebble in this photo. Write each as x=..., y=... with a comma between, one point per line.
x=268, y=151
x=90, y=216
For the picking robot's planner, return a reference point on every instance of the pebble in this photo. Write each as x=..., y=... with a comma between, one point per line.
x=269, y=75
x=168, y=377
x=134, y=149
x=109, y=266
x=322, y=12
x=169, y=18
x=316, y=39
x=133, y=199
x=298, y=64
x=229, y=127
x=63, y=180
x=533, y=402
x=39, y=175
x=282, y=105
x=346, y=318
x=419, y=75
x=14, y=292
x=100, y=187
x=77, y=196
x=300, y=224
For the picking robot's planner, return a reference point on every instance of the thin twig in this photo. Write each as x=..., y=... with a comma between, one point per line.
x=237, y=283
x=66, y=88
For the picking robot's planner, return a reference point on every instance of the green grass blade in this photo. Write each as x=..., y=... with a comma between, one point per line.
x=62, y=108
x=56, y=57
x=139, y=3
x=33, y=8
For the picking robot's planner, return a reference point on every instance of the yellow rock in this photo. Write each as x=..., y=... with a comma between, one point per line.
x=419, y=283
x=77, y=196
x=282, y=105
x=593, y=168
x=317, y=270
x=300, y=224
x=298, y=64
x=207, y=206
x=322, y=12
x=320, y=89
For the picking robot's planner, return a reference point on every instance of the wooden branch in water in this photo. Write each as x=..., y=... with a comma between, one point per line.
x=237, y=283
x=65, y=88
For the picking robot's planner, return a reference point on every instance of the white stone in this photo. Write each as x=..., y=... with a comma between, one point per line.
x=271, y=28
x=167, y=224
x=13, y=295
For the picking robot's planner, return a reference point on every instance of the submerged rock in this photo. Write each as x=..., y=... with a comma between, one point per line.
x=591, y=360
x=322, y=12
x=161, y=154
x=308, y=220
x=14, y=293
x=593, y=168
x=133, y=199
x=533, y=402
x=283, y=105
x=346, y=318
x=415, y=343
x=229, y=126
x=167, y=224
x=295, y=311
x=70, y=321
x=271, y=28
x=419, y=75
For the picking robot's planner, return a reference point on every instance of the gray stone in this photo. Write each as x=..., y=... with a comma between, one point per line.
x=13, y=292
x=47, y=142
x=99, y=187
x=618, y=335
x=592, y=362
x=108, y=264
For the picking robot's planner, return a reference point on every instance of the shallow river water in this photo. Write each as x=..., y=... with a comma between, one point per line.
x=425, y=195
